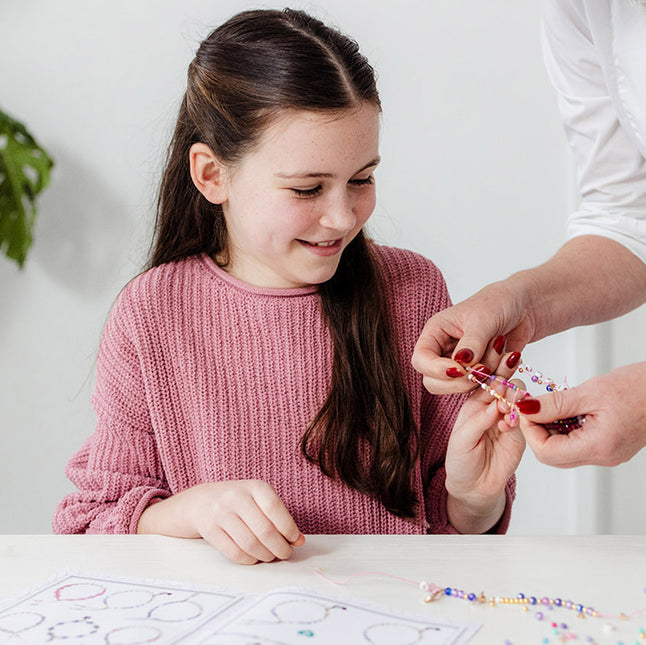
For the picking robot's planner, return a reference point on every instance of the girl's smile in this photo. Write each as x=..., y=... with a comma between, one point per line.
x=325, y=249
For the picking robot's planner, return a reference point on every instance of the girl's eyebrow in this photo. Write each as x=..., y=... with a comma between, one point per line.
x=323, y=175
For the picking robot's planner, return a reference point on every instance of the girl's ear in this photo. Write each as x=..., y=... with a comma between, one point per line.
x=208, y=173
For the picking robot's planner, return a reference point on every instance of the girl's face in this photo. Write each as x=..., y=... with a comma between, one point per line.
x=296, y=201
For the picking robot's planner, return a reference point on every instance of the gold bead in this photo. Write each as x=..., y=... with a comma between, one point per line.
x=525, y=608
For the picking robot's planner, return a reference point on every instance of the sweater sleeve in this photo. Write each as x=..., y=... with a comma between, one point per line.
x=118, y=470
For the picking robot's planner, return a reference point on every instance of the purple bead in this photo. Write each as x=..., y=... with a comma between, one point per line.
x=539, y=615
x=534, y=379
x=545, y=601
x=558, y=602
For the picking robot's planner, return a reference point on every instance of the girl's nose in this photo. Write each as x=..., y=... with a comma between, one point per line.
x=339, y=215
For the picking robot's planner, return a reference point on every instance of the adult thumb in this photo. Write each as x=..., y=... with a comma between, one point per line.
x=561, y=404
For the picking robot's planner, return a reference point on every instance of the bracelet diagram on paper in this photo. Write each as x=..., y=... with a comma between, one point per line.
x=302, y=617
x=76, y=608
x=105, y=610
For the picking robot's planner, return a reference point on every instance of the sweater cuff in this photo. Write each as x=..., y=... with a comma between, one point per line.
x=151, y=497
x=501, y=526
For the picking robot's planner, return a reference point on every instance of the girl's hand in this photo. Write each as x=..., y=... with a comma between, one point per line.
x=245, y=520
x=483, y=453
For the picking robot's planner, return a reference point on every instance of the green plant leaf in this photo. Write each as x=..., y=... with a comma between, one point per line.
x=24, y=171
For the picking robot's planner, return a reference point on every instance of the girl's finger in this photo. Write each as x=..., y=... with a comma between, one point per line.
x=472, y=430
x=270, y=504
x=244, y=536
x=223, y=543
x=269, y=536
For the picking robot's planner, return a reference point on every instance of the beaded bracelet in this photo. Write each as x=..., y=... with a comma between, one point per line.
x=486, y=381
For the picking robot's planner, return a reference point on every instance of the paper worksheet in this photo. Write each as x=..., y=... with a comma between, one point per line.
x=90, y=609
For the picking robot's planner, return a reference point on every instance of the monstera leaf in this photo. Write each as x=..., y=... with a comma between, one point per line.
x=24, y=172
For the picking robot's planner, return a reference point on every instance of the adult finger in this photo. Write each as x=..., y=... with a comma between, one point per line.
x=558, y=450
x=445, y=376
x=434, y=342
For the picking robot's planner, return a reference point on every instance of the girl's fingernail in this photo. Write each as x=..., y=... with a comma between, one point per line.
x=464, y=355
x=454, y=372
x=513, y=359
x=499, y=344
x=480, y=373
x=529, y=406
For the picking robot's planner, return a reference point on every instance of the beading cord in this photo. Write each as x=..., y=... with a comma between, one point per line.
x=486, y=382
x=433, y=591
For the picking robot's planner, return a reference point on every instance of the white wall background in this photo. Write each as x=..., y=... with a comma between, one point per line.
x=475, y=175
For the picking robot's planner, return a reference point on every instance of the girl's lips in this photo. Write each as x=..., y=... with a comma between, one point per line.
x=326, y=248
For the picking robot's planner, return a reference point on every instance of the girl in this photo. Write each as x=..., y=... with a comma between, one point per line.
x=255, y=382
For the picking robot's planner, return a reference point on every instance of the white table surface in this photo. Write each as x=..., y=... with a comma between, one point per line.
x=605, y=572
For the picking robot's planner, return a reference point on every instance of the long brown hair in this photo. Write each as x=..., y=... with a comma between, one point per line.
x=247, y=71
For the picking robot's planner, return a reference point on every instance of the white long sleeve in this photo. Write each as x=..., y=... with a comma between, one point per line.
x=595, y=56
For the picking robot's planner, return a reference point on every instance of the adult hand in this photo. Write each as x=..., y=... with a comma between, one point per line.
x=245, y=520
x=614, y=430
x=482, y=454
x=477, y=329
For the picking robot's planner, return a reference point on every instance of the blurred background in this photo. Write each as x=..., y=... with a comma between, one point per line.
x=475, y=175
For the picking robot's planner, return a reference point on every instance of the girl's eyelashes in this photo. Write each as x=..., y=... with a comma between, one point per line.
x=363, y=182
x=310, y=192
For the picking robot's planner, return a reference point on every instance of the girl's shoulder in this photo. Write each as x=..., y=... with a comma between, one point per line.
x=411, y=282
x=160, y=285
x=400, y=267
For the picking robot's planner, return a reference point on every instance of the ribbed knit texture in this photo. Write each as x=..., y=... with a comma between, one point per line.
x=201, y=377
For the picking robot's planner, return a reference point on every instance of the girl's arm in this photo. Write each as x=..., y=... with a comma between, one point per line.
x=245, y=520
x=482, y=456
x=118, y=471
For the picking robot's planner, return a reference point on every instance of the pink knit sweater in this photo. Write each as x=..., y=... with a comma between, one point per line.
x=201, y=377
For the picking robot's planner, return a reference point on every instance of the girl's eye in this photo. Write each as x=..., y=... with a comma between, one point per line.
x=363, y=182
x=309, y=192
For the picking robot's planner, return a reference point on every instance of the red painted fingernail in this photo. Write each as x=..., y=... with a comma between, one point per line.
x=529, y=405
x=465, y=355
x=499, y=344
x=454, y=372
x=480, y=373
x=513, y=359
